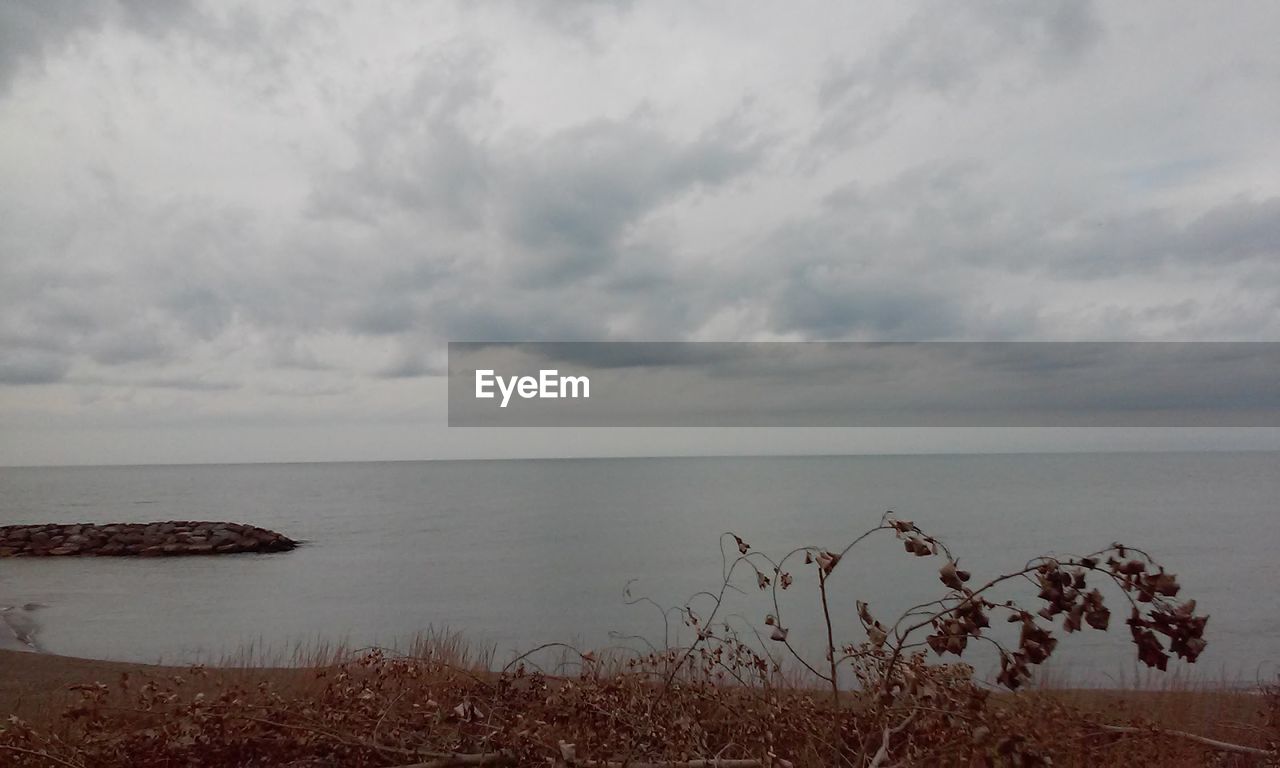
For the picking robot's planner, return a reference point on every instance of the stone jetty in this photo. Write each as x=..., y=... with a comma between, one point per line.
x=138, y=539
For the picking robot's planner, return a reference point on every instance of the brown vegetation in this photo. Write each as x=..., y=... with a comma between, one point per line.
x=885, y=698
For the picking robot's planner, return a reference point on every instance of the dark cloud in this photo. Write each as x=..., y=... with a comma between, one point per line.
x=570, y=200
x=201, y=309
x=116, y=348
x=237, y=40
x=33, y=30
x=24, y=367
x=1236, y=231
x=942, y=215
x=1143, y=241
x=384, y=317
x=819, y=308
x=410, y=366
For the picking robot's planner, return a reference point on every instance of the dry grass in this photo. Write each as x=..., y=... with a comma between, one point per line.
x=38, y=688
x=383, y=710
x=441, y=645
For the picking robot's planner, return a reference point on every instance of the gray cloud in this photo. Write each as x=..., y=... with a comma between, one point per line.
x=191, y=384
x=819, y=308
x=31, y=30
x=562, y=204
x=574, y=198
x=577, y=21
x=237, y=39
x=34, y=31
x=305, y=200
x=946, y=49
x=415, y=151
x=18, y=367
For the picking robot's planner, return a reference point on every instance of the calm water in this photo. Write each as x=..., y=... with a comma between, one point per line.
x=516, y=553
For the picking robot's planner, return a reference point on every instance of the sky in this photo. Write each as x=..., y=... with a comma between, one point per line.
x=247, y=231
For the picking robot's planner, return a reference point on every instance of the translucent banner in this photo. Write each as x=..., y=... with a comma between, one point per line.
x=854, y=384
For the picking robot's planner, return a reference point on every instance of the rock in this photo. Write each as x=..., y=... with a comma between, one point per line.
x=173, y=538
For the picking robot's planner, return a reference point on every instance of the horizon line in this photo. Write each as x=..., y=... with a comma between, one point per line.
x=650, y=457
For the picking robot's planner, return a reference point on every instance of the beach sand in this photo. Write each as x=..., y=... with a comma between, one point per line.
x=37, y=686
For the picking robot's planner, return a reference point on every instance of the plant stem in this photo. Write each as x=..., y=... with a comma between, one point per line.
x=831, y=659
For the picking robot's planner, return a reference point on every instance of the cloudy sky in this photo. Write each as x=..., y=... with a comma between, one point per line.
x=246, y=232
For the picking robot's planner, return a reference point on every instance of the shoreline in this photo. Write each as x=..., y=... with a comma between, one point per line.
x=32, y=662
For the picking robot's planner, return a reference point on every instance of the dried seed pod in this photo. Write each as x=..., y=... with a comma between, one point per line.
x=1133, y=567
x=952, y=576
x=827, y=561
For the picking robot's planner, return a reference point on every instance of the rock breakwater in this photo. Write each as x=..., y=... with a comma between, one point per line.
x=170, y=538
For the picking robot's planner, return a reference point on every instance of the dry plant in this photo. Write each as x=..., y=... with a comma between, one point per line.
x=897, y=694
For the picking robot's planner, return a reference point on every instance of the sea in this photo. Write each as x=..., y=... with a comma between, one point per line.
x=511, y=554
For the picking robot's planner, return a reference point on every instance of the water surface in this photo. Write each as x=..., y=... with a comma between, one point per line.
x=516, y=553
